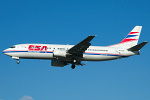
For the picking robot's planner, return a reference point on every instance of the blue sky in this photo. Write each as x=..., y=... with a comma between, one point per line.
x=69, y=22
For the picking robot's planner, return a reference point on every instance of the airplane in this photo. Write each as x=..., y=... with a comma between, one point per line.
x=61, y=55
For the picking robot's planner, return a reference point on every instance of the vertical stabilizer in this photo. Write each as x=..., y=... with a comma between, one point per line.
x=131, y=39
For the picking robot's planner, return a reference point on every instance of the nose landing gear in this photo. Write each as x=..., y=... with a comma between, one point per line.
x=18, y=61
x=16, y=58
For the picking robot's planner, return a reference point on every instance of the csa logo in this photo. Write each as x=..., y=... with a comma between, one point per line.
x=37, y=48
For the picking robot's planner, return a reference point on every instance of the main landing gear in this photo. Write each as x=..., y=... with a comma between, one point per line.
x=77, y=63
x=73, y=66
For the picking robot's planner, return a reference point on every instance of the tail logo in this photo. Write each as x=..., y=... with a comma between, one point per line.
x=131, y=37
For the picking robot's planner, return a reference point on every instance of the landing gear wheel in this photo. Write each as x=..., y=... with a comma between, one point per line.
x=18, y=61
x=73, y=66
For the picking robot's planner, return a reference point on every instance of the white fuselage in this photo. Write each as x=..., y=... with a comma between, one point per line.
x=48, y=51
x=61, y=55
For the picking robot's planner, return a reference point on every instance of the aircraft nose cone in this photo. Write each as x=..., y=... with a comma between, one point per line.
x=4, y=51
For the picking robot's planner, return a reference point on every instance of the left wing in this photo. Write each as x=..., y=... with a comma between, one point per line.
x=80, y=48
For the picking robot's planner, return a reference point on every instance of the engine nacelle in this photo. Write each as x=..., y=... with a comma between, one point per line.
x=59, y=53
x=58, y=63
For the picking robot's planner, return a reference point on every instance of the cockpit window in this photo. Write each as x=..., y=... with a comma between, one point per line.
x=12, y=47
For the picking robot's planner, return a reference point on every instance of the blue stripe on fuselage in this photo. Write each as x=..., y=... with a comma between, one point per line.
x=28, y=51
x=102, y=54
x=52, y=52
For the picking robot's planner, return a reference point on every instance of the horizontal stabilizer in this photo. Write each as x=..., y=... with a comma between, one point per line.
x=138, y=47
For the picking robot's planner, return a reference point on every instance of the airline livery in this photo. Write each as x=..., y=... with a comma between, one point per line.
x=61, y=55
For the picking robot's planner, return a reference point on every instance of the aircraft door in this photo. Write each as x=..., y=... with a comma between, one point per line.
x=117, y=51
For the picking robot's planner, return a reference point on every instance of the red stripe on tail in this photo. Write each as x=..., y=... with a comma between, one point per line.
x=133, y=32
x=128, y=40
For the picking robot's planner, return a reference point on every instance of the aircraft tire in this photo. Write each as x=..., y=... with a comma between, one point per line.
x=18, y=61
x=73, y=66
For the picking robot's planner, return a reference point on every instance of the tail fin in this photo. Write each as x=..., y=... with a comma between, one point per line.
x=131, y=39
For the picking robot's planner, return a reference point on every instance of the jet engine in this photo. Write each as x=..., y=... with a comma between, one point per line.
x=59, y=53
x=58, y=63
